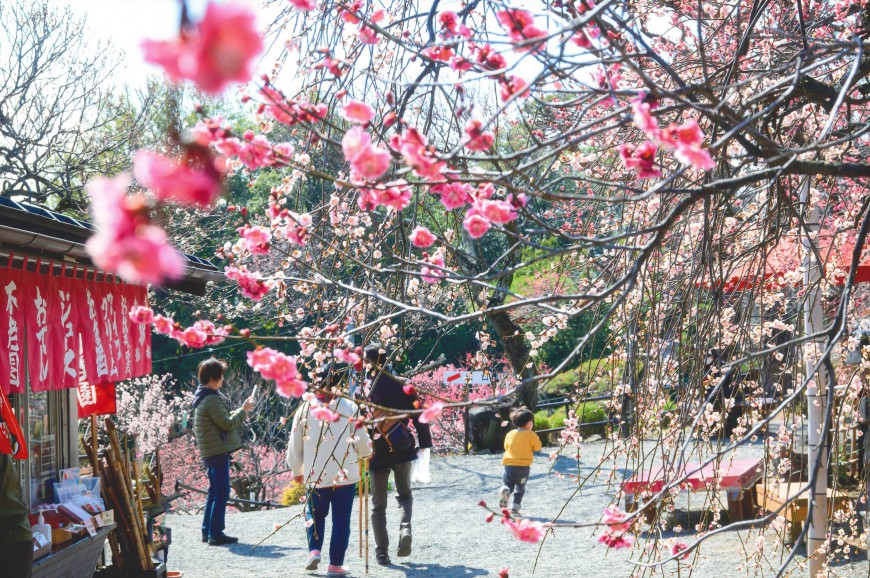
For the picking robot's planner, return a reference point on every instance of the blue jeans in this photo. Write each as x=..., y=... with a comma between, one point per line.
x=319, y=500
x=216, y=504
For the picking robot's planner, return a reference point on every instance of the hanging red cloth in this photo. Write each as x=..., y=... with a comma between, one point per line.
x=42, y=313
x=140, y=333
x=11, y=330
x=12, y=440
x=96, y=399
x=108, y=312
x=67, y=374
x=123, y=303
x=93, y=340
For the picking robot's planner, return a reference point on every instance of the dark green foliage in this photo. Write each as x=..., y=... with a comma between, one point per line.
x=554, y=351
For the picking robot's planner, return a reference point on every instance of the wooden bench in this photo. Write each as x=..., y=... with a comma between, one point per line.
x=737, y=477
x=773, y=497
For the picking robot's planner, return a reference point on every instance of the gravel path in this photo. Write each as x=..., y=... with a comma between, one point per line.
x=452, y=539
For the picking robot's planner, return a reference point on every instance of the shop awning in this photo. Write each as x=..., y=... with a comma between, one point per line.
x=26, y=228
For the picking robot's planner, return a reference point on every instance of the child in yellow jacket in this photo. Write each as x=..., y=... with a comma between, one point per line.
x=519, y=448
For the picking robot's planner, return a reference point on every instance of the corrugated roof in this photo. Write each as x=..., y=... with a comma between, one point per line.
x=40, y=230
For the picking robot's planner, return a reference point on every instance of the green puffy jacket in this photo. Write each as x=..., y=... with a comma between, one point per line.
x=215, y=428
x=14, y=525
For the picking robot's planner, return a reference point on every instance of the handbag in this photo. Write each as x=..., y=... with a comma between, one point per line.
x=398, y=438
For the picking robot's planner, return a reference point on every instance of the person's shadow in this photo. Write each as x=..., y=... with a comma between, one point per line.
x=438, y=571
x=263, y=551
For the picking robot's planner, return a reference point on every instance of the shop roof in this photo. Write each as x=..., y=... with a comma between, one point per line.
x=30, y=229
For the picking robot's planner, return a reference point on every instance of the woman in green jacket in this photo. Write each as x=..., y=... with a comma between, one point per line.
x=217, y=436
x=16, y=539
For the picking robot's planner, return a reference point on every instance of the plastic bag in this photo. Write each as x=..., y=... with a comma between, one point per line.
x=420, y=472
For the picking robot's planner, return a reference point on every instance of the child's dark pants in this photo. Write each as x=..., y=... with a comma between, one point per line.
x=515, y=478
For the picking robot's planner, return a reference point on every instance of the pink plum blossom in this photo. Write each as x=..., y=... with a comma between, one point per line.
x=432, y=412
x=304, y=5
x=615, y=519
x=213, y=334
x=191, y=337
x=431, y=274
x=367, y=35
x=279, y=367
x=163, y=325
x=126, y=243
x=297, y=228
x=616, y=541
x=255, y=151
x=640, y=160
x=422, y=237
x=461, y=64
x=453, y=195
x=696, y=157
x=178, y=181
x=221, y=49
x=250, y=283
x=369, y=162
x=476, y=224
x=498, y=211
x=643, y=118
x=291, y=112
x=439, y=53
x=615, y=535
x=479, y=141
x=395, y=195
x=256, y=238
x=520, y=27
x=513, y=85
x=688, y=138
x=357, y=112
x=417, y=154
x=525, y=530
x=680, y=549
x=140, y=314
x=353, y=358
x=324, y=413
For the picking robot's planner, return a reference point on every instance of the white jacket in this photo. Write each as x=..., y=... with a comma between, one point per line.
x=326, y=453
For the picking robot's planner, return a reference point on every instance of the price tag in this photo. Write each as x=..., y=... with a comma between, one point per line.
x=108, y=517
x=89, y=525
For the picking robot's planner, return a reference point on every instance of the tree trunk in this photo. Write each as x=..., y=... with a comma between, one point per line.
x=517, y=351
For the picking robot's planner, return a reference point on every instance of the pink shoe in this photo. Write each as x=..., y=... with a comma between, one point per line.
x=335, y=571
x=313, y=560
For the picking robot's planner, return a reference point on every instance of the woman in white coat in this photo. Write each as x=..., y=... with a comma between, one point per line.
x=324, y=452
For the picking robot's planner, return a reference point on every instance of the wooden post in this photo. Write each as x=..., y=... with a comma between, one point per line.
x=466, y=421
x=122, y=476
x=366, y=495
x=94, y=442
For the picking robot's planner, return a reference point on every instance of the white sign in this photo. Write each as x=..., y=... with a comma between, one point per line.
x=460, y=377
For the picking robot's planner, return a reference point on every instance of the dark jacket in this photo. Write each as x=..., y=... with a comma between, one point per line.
x=215, y=428
x=14, y=525
x=387, y=391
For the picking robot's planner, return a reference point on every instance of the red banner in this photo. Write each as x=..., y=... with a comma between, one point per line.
x=125, y=302
x=69, y=342
x=96, y=399
x=45, y=340
x=140, y=333
x=93, y=339
x=77, y=329
x=12, y=377
x=108, y=312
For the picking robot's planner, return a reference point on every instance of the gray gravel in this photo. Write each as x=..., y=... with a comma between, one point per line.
x=452, y=538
